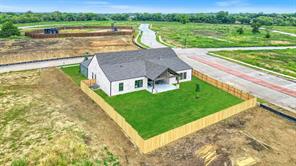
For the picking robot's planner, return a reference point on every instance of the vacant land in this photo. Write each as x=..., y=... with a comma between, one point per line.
x=39, y=25
x=45, y=119
x=289, y=29
x=282, y=61
x=22, y=50
x=217, y=35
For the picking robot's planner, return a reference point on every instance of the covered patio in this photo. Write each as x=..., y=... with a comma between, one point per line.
x=161, y=83
x=158, y=88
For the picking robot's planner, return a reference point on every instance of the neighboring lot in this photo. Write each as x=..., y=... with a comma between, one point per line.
x=152, y=114
x=21, y=50
x=76, y=23
x=217, y=35
x=282, y=61
x=44, y=115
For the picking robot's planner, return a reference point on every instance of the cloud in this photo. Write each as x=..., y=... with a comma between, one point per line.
x=231, y=3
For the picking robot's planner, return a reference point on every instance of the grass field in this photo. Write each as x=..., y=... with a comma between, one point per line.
x=216, y=35
x=153, y=114
x=290, y=29
x=282, y=61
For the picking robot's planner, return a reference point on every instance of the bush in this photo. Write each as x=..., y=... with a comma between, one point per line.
x=8, y=30
x=240, y=30
x=267, y=35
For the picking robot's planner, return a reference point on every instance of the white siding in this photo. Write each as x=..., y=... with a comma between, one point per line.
x=188, y=78
x=128, y=86
x=101, y=78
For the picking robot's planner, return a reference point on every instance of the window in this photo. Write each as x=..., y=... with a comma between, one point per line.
x=138, y=83
x=120, y=87
x=183, y=76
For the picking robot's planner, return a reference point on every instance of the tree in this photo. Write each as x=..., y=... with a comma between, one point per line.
x=256, y=26
x=197, y=90
x=184, y=19
x=240, y=30
x=8, y=29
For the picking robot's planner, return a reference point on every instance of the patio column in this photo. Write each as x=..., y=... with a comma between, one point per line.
x=178, y=82
x=153, y=86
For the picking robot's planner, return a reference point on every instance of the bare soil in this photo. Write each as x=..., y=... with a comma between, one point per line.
x=43, y=115
x=24, y=50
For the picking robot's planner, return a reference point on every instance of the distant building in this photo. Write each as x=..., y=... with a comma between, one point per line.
x=154, y=70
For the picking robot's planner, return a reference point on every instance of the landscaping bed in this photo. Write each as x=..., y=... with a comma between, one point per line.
x=153, y=114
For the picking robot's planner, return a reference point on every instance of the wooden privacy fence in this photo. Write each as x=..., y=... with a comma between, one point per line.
x=38, y=34
x=221, y=85
x=148, y=145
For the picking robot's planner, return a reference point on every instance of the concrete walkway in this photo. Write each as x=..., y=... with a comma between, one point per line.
x=268, y=87
x=149, y=37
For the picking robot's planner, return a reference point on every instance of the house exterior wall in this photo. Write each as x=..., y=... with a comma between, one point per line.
x=128, y=86
x=173, y=80
x=100, y=76
x=83, y=70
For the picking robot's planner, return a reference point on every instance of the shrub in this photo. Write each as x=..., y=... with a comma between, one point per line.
x=240, y=30
x=267, y=35
x=8, y=29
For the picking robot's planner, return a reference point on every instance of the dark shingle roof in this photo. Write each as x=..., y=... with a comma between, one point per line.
x=141, y=63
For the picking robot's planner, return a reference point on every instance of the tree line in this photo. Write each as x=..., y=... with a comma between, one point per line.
x=214, y=18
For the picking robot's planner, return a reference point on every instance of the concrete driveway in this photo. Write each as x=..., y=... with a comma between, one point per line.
x=268, y=87
x=149, y=37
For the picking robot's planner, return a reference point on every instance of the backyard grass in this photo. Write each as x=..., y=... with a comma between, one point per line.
x=153, y=114
x=74, y=73
x=281, y=61
x=217, y=35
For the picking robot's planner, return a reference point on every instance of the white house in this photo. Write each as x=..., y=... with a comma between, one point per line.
x=154, y=70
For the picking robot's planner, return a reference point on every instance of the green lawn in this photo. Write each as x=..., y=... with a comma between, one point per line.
x=216, y=35
x=74, y=73
x=153, y=114
x=282, y=61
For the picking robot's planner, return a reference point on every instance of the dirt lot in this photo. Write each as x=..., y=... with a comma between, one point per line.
x=14, y=51
x=44, y=115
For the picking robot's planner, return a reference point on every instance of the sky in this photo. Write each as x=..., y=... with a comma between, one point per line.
x=151, y=6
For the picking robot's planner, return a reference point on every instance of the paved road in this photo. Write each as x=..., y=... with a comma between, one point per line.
x=268, y=87
x=149, y=37
x=38, y=65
